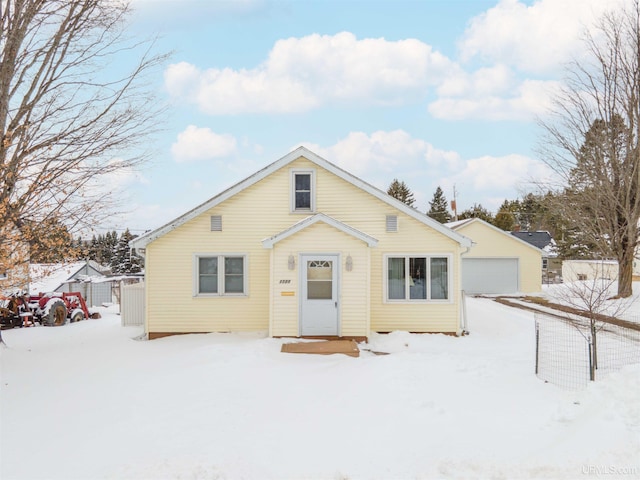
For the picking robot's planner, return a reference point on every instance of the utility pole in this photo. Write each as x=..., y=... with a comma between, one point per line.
x=454, y=206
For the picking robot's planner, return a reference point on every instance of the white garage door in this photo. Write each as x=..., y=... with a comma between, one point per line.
x=490, y=275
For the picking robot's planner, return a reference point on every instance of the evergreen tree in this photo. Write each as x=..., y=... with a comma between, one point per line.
x=506, y=218
x=49, y=241
x=122, y=261
x=477, y=211
x=100, y=248
x=401, y=191
x=439, y=207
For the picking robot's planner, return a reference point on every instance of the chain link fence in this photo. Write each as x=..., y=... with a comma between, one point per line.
x=569, y=353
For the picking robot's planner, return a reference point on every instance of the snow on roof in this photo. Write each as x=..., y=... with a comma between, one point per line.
x=457, y=223
x=47, y=277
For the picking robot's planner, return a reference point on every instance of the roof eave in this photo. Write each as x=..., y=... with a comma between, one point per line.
x=149, y=237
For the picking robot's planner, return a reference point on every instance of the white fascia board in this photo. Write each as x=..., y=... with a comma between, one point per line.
x=319, y=217
x=384, y=197
x=147, y=238
x=503, y=232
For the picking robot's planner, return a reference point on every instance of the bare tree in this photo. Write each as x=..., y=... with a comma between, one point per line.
x=591, y=140
x=69, y=117
x=593, y=295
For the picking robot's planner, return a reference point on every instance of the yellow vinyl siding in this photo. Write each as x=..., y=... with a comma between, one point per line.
x=353, y=286
x=263, y=210
x=492, y=244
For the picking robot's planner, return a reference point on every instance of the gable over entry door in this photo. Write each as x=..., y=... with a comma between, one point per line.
x=319, y=296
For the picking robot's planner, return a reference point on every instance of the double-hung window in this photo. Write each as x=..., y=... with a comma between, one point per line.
x=417, y=278
x=302, y=191
x=220, y=275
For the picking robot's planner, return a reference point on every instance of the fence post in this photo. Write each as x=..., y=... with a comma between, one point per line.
x=592, y=370
x=537, y=345
x=595, y=345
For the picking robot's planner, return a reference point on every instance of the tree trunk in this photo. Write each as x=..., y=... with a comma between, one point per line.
x=625, y=273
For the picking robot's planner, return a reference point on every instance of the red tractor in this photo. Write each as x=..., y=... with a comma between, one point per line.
x=51, y=309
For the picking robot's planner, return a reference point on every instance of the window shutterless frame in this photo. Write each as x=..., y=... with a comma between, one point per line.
x=220, y=275
x=302, y=186
x=417, y=278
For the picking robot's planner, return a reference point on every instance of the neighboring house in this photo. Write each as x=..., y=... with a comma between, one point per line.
x=498, y=262
x=575, y=270
x=302, y=248
x=82, y=276
x=551, y=264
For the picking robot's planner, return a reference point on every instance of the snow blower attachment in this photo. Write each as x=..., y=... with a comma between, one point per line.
x=51, y=309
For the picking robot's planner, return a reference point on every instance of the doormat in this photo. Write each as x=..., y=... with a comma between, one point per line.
x=324, y=347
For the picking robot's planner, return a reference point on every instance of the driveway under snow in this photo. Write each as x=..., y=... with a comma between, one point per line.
x=88, y=401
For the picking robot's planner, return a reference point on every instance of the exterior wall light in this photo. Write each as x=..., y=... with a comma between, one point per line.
x=349, y=263
x=291, y=262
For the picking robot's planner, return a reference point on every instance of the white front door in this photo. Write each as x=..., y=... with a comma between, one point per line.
x=319, y=296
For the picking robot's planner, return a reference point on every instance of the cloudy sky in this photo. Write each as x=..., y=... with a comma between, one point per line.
x=433, y=92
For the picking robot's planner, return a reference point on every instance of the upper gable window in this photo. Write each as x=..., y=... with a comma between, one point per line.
x=302, y=190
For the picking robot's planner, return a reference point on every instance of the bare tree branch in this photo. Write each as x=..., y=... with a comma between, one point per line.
x=591, y=140
x=68, y=120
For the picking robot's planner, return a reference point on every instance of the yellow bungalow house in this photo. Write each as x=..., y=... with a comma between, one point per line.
x=498, y=262
x=302, y=248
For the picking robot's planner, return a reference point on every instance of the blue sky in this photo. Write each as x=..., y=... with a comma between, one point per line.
x=434, y=93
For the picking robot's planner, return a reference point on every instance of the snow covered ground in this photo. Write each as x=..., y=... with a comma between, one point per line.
x=88, y=401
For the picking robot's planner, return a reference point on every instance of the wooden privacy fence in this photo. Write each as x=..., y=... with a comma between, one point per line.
x=132, y=304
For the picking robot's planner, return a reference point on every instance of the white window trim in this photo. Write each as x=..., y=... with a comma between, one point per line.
x=221, y=292
x=428, y=256
x=292, y=190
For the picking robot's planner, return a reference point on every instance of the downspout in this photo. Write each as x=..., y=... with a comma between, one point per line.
x=464, y=330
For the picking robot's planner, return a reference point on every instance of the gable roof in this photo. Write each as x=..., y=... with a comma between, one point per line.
x=538, y=239
x=468, y=221
x=144, y=240
x=313, y=219
x=48, y=277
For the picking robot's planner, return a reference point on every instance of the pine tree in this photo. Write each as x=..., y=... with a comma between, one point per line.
x=401, y=191
x=49, y=241
x=506, y=218
x=439, y=207
x=477, y=211
x=122, y=261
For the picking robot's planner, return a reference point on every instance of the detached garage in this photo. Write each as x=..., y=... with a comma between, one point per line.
x=490, y=275
x=498, y=262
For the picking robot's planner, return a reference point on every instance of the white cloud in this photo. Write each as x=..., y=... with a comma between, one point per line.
x=385, y=153
x=524, y=101
x=304, y=73
x=185, y=14
x=536, y=38
x=490, y=180
x=380, y=157
x=122, y=175
x=196, y=143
